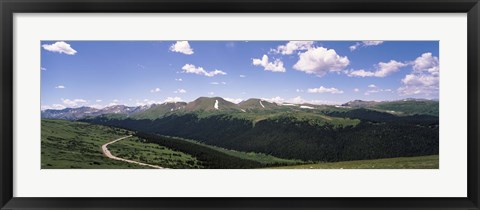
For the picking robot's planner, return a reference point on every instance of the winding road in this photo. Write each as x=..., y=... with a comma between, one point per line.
x=107, y=153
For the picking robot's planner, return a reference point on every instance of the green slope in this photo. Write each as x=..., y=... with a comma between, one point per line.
x=421, y=162
x=67, y=144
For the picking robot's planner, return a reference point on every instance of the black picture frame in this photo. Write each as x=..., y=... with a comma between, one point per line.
x=10, y=7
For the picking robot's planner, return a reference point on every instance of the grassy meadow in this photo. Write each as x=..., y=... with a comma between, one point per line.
x=421, y=162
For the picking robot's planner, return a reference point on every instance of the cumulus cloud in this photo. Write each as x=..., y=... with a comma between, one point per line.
x=156, y=90
x=322, y=89
x=182, y=47
x=365, y=44
x=211, y=93
x=98, y=100
x=179, y=79
x=192, y=69
x=60, y=87
x=73, y=102
x=293, y=46
x=180, y=91
x=426, y=63
x=372, y=86
x=43, y=69
x=234, y=100
x=276, y=99
x=60, y=47
x=242, y=76
x=382, y=70
x=424, y=79
x=275, y=66
x=356, y=90
x=320, y=61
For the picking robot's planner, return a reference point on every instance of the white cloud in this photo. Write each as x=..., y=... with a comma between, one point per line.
x=424, y=78
x=296, y=100
x=192, y=69
x=356, y=90
x=382, y=70
x=354, y=47
x=182, y=47
x=374, y=89
x=385, y=69
x=53, y=106
x=218, y=83
x=156, y=90
x=43, y=69
x=115, y=100
x=299, y=90
x=98, y=100
x=322, y=89
x=372, y=43
x=364, y=44
x=320, y=61
x=146, y=102
x=141, y=66
x=97, y=106
x=242, y=76
x=234, y=100
x=180, y=91
x=60, y=87
x=211, y=93
x=60, y=47
x=276, y=99
x=275, y=66
x=172, y=99
x=426, y=63
x=179, y=79
x=74, y=102
x=360, y=73
x=293, y=46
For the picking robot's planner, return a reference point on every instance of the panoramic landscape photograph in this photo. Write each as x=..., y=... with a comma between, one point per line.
x=242, y=104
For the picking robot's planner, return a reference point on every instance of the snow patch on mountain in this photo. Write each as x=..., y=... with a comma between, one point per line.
x=306, y=107
x=216, y=104
x=261, y=104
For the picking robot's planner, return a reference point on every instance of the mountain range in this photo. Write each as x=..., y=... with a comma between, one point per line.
x=214, y=105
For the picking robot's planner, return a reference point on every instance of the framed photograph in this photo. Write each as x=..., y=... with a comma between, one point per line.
x=239, y=105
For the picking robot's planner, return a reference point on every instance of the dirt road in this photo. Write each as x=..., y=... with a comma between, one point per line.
x=107, y=153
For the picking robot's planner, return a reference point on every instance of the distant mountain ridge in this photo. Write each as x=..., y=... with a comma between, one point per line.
x=218, y=104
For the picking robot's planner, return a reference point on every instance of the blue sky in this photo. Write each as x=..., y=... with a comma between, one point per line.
x=102, y=73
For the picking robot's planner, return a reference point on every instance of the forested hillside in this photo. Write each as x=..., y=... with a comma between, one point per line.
x=324, y=138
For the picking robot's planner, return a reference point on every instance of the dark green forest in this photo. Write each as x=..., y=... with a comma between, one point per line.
x=378, y=135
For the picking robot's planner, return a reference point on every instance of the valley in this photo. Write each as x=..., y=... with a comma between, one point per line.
x=213, y=133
